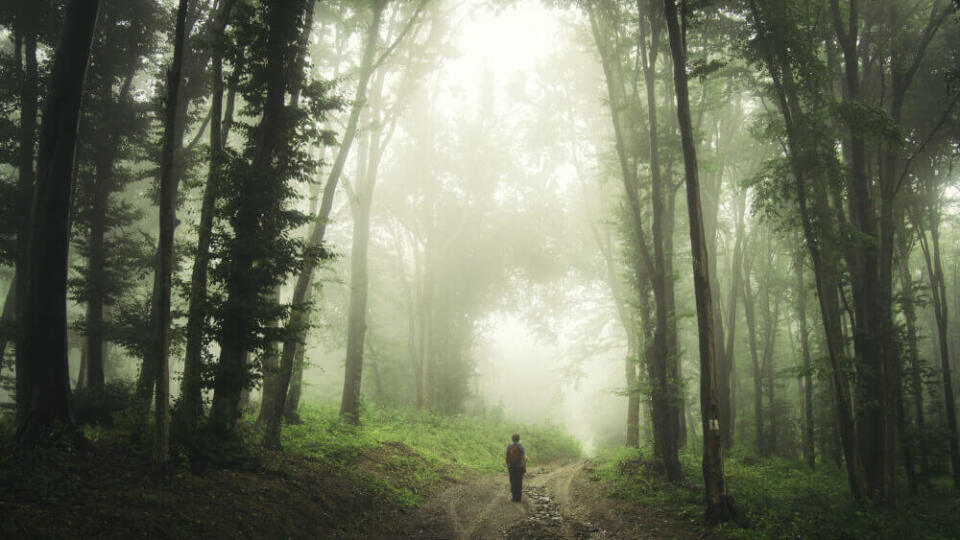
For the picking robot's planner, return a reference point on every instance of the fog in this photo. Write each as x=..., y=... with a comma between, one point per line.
x=542, y=211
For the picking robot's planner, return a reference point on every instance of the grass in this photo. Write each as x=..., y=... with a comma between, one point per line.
x=783, y=499
x=408, y=452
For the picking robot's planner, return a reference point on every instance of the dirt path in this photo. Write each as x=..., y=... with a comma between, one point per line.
x=560, y=501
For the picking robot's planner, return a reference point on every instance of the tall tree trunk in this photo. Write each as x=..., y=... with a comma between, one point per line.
x=931, y=252
x=748, y=309
x=916, y=367
x=192, y=85
x=661, y=364
x=168, y=221
x=719, y=502
x=806, y=429
x=356, y=320
x=726, y=369
x=29, y=91
x=43, y=362
x=274, y=405
x=300, y=315
x=103, y=178
x=667, y=380
x=770, y=339
x=191, y=398
x=872, y=335
x=269, y=137
x=357, y=316
x=812, y=200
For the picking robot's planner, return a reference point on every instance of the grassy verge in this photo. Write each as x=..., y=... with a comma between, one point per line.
x=407, y=452
x=782, y=499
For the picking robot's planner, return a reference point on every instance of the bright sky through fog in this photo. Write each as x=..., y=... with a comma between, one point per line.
x=505, y=43
x=517, y=371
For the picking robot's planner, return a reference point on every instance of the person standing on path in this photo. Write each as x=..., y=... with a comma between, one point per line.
x=517, y=466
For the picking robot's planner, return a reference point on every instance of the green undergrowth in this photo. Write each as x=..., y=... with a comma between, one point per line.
x=407, y=452
x=781, y=499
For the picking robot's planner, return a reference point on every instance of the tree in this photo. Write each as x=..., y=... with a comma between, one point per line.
x=46, y=384
x=260, y=253
x=168, y=218
x=719, y=502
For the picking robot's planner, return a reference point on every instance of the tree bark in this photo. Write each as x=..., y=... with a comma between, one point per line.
x=719, y=502
x=43, y=362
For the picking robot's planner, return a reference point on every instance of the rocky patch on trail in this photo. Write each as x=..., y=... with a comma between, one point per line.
x=544, y=521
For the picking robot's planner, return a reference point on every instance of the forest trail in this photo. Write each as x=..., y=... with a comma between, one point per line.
x=560, y=501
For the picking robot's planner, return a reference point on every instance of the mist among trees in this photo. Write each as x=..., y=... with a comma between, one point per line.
x=712, y=244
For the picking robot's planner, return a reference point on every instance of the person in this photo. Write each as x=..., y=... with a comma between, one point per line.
x=517, y=466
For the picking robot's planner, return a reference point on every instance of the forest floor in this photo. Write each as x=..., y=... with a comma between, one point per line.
x=108, y=491
x=560, y=501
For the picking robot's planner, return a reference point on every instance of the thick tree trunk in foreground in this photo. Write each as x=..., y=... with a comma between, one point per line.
x=46, y=375
x=719, y=503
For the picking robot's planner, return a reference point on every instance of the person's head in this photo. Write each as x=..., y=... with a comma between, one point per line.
x=516, y=437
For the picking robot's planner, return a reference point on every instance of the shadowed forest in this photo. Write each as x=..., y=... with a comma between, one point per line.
x=301, y=268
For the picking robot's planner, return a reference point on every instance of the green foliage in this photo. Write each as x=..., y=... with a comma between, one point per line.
x=782, y=499
x=100, y=407
x=410, y=450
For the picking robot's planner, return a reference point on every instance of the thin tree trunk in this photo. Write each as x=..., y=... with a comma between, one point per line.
x=768, y=370
x=356, y=321
x=807, y=440
x=299, y=316
x=44, y=367
x=726, y=370
x=719, y=502
x=916, y=366
x=661, y=365
x=191, y=398
x=931, y=251
x=29, y=93
x=812, y=199
x=168, y=221
x=748, y=308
